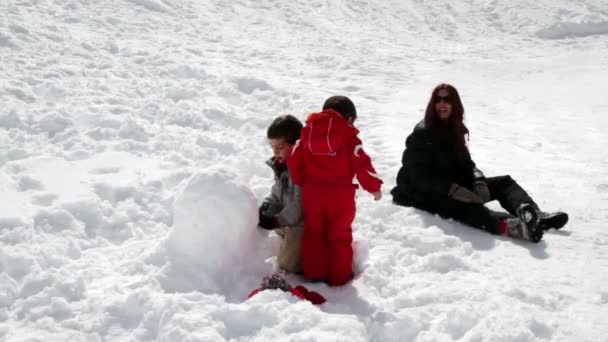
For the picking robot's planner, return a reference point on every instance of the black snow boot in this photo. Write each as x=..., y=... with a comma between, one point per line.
x=525, y=226
x=555, y=220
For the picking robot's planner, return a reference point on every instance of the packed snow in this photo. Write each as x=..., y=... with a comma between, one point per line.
x=132, y=149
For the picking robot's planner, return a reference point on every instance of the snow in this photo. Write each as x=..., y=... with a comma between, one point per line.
x=132, y=149
x=568, y=30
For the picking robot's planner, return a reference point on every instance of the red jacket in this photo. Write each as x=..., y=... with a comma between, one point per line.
x=329, y=150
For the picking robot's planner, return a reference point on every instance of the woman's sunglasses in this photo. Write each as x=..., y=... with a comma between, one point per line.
x=439, y=99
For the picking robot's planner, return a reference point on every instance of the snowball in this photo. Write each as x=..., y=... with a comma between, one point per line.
x=215, y=245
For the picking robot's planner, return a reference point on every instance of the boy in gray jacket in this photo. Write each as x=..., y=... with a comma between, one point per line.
x=281, y=211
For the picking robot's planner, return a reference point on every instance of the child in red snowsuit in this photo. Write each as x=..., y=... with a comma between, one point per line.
x=324, y=162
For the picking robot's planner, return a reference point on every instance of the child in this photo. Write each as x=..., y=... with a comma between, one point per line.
x=323, y=162
x=281, y=211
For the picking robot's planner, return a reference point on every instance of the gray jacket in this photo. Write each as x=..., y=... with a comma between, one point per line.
x=285, y=199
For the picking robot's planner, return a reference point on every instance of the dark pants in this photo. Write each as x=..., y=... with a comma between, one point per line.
x=503, y=188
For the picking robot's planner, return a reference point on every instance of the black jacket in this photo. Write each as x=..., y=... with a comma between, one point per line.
x=429, y=167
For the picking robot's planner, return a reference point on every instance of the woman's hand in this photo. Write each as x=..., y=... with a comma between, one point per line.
x=481, y=189
x=464, y=195
x=377, y=195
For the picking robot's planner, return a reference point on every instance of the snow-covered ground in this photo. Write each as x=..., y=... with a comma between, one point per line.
x=132, y=148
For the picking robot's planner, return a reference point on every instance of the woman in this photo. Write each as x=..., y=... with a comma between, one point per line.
x=439, y=176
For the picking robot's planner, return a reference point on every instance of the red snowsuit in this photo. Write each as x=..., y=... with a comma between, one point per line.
x=324, y=162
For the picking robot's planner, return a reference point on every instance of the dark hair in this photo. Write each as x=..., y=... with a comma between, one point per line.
x=287, y=127
x=342, y=105
x=455, y=130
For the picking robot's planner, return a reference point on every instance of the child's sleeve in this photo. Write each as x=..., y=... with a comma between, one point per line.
x=295, y=164
x=362, y=166
x=291, y=214
x=272, y=203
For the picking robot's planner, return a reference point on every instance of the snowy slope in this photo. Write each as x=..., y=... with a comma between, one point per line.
x=132, y=141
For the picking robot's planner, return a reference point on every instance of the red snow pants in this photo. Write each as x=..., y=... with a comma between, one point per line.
x=329, y=211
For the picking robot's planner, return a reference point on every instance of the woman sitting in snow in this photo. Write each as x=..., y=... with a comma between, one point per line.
x=438, y=175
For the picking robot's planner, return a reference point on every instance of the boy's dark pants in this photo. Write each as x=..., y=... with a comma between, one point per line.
x=327, y=252
x=502, y=188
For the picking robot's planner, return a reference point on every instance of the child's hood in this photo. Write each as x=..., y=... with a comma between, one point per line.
x=326, y=132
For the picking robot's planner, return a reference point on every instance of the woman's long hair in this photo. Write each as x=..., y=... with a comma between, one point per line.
x=454, y=130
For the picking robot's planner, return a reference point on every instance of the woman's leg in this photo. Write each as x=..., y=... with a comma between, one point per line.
x=474, y=215
x=509, y=194
x=478, y=216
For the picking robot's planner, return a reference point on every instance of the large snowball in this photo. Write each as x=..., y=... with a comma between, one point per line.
x=215, y=245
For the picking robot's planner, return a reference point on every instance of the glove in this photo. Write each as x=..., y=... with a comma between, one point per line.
x=463, y=194
x=275, y=281
x=377, y=195
x=268, y=222
x=481, y=189
x=264, y=207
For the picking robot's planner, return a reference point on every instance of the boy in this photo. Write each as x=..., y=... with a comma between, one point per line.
x=281, y=211
x=323, y=162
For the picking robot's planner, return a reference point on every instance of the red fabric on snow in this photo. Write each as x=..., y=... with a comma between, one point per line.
x=311, y=296
x=300, y=292
x=293, y=291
